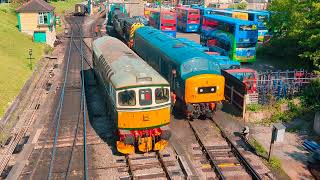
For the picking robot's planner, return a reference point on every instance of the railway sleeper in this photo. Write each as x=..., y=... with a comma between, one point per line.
x=149, y=175
x=236, y=174
x=222, y=160
x=145, y=166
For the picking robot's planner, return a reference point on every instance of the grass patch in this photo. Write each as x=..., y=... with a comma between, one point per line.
x=274, y=163
x=254, y=107
x=64, y=6
x=14, y=65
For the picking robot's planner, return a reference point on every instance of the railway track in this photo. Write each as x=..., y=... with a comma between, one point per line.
x=159, y=165
x=56, y=151
x=217, y=152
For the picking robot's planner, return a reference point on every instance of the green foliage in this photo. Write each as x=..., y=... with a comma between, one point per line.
x=311, y=95
x=242, y=5
x=254, y=107
x=296, y=29
x=274, y=162
x=258, y=147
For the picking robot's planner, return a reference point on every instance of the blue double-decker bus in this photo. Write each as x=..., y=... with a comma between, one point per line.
x=260, y=17
x=231, y=37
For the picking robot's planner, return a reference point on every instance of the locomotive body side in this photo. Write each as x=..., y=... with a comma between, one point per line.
x=139, y=97
x=194, y=78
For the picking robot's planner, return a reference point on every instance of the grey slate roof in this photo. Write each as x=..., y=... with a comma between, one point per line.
x=35, y=6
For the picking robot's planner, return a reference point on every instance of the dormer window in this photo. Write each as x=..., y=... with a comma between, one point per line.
x=43, y=18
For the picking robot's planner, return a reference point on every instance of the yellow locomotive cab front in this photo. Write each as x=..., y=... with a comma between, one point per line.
x=204, y=88
x=143, y=119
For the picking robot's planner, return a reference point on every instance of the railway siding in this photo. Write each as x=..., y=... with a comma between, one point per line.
x=223, y=155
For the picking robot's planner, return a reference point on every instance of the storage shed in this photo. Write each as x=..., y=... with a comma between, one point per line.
x=36, y=18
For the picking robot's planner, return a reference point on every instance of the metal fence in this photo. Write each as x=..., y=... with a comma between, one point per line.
x=282, y=84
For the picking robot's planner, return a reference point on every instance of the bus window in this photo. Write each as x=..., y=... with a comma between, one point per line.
x=262, y=18
x=250, y=17
x=162, y=95
x=247, y=27
x=168, y=16
x=145, y=97
x=193, y=13
x=167, y=24
x=246, y=45
x=193, y=19
x=127, y=98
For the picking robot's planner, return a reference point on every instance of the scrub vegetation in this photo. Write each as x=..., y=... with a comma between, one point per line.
x=274, y=163
x=14, y=62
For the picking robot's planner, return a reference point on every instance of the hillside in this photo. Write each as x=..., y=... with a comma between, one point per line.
x=14, y=65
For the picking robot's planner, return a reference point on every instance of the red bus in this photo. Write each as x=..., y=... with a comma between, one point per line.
x=188, y=19
x=165, y=21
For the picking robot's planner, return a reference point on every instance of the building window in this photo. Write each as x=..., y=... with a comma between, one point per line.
x=43, y=18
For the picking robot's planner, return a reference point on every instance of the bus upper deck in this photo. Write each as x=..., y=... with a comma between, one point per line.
x=188, y=19
x=165, y=21
x=231, y=37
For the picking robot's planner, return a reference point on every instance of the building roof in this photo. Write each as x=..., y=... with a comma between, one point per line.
x=35, y=6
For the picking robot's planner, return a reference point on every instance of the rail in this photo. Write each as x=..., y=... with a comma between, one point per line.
x=254, y=174
x=209, y=156
x=83, y=103
x=59, y=110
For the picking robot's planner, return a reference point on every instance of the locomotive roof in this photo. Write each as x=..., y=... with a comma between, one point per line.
x=129, y=69
x=173, y=48
x=229, y=19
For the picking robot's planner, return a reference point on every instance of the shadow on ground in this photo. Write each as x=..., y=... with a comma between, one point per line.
x=99, y=117
x=231, y=109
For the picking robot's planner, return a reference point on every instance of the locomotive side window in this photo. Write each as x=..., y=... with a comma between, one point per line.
x=145, y=97
x=162, y=95
x=127, y=98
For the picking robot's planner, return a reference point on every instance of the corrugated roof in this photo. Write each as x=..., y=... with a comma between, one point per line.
x=35, y=6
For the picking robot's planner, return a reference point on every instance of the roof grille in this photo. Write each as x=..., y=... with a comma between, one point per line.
x=143, y=77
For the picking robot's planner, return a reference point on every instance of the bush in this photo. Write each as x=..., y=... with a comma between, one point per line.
x=311, y=95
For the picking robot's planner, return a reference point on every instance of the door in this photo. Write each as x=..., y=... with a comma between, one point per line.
x=39, y=36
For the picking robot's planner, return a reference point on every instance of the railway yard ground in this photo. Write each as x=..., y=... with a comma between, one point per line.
x=65, y=130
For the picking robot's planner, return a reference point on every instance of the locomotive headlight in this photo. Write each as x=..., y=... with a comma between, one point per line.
x=212, y=89
x=201, y=90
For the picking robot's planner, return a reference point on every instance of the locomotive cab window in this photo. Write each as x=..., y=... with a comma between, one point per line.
x=162, y=95
x=127, y=98
x=145, y=97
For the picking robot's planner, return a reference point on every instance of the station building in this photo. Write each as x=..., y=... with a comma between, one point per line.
x=37, y=19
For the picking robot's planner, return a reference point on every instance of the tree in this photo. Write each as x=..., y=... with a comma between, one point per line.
x=241, y=5
x=297, y=22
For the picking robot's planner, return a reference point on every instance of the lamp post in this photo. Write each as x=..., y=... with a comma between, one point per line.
x=30, y=58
